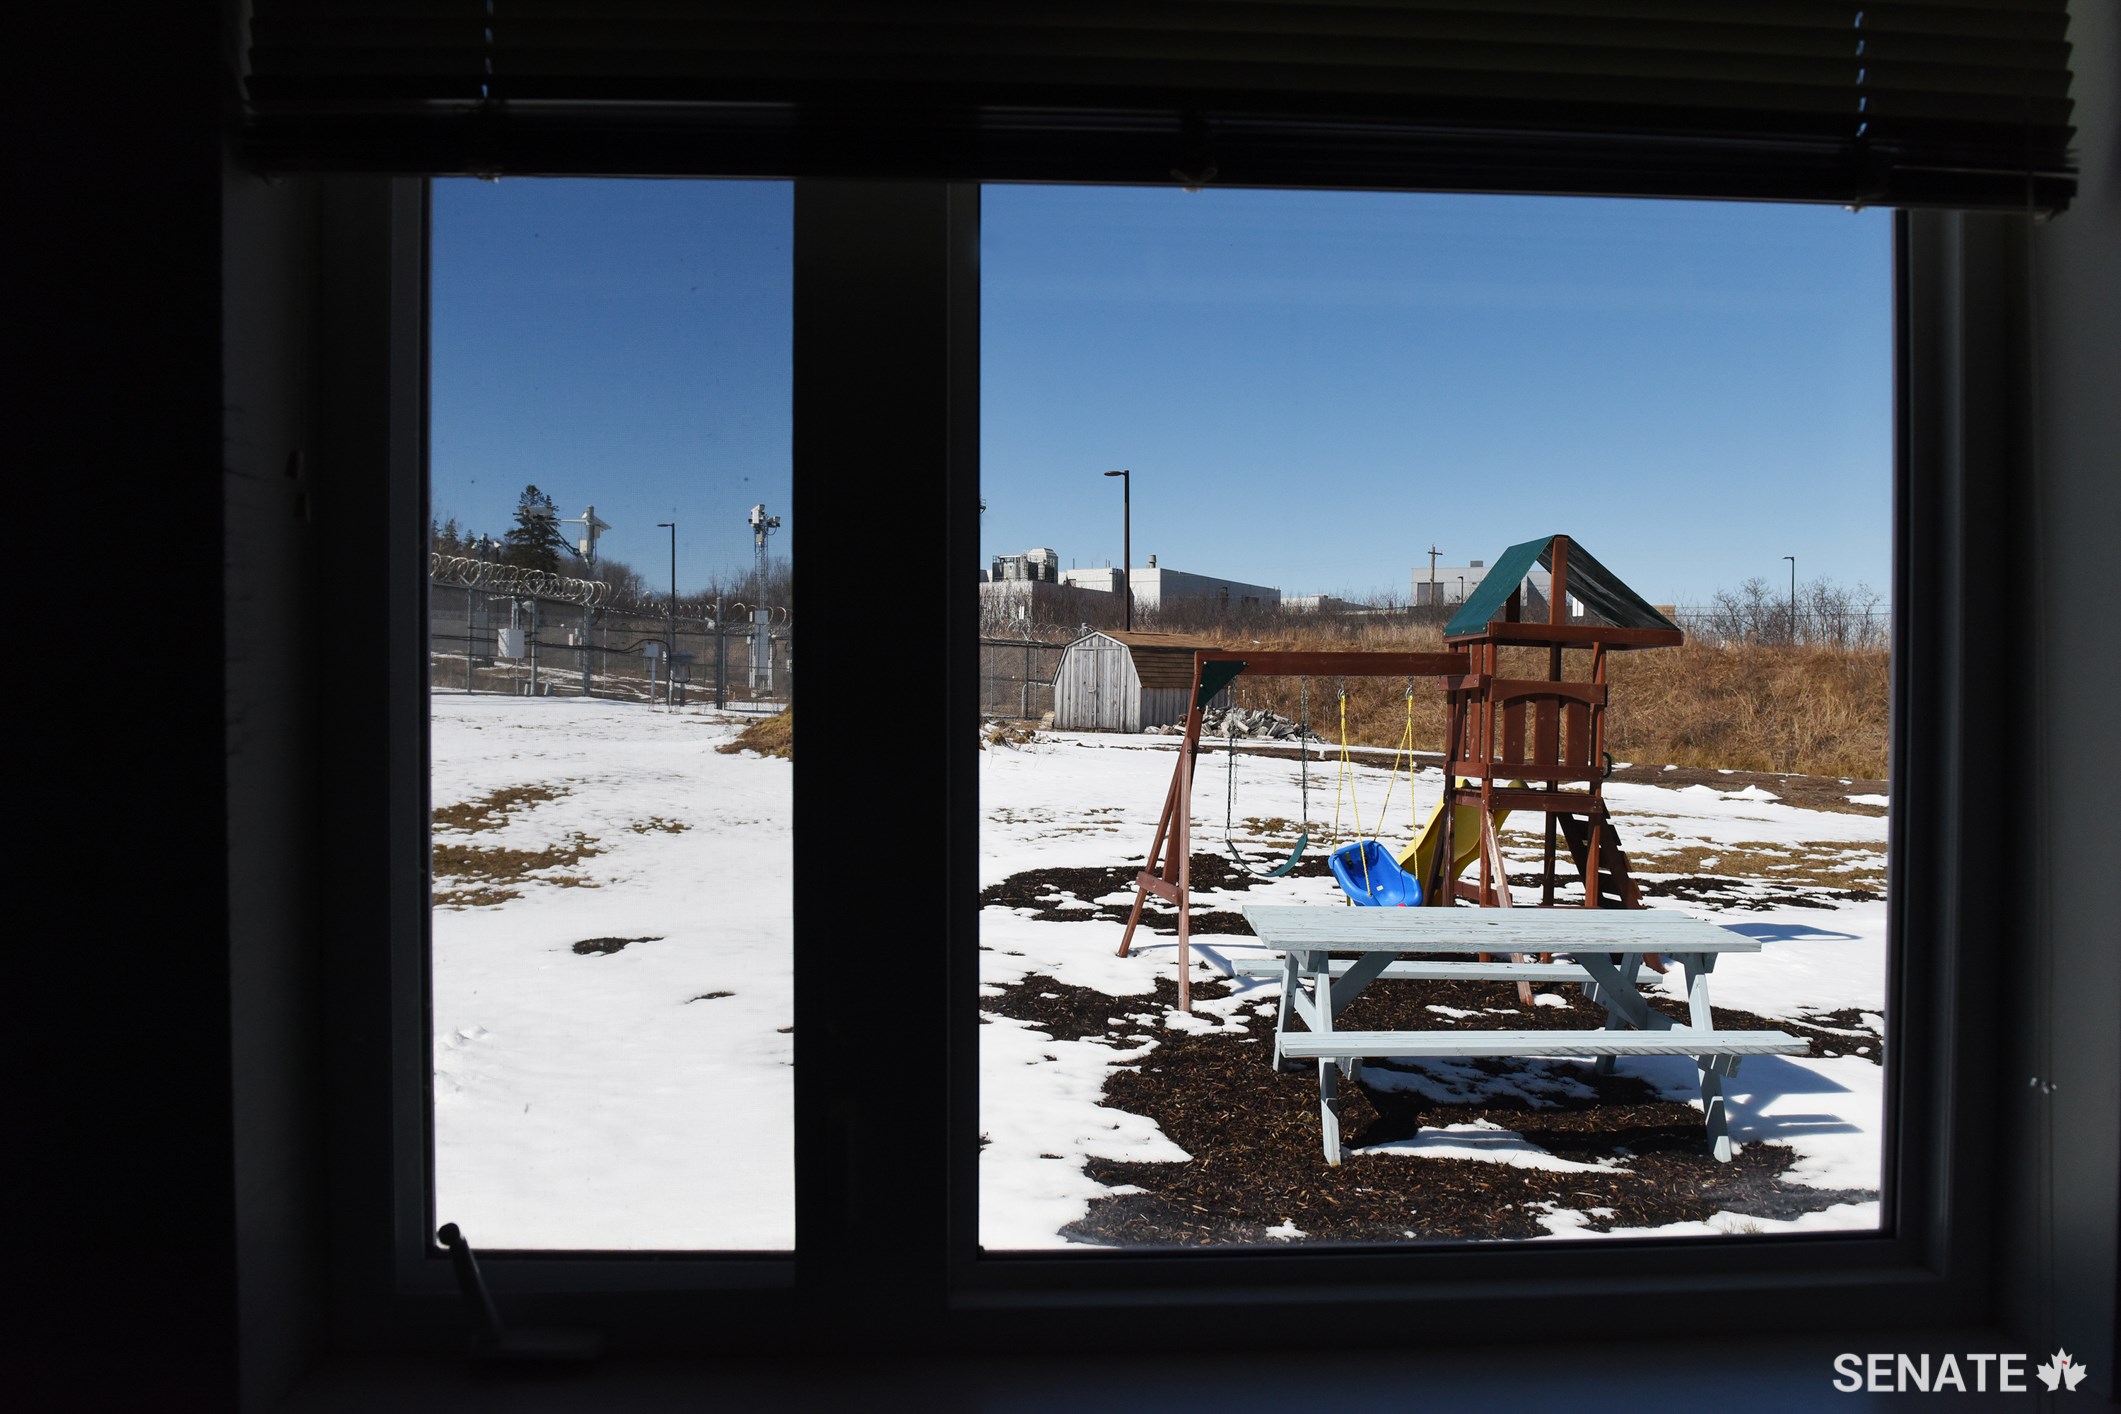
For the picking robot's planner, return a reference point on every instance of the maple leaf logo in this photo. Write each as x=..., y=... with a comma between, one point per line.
x=2060, y=1369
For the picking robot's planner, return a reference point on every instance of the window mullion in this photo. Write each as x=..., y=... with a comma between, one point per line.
x=878, y=445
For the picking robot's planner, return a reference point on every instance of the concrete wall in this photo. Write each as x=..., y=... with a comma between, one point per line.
x=1153, y=586
x=1102, y=578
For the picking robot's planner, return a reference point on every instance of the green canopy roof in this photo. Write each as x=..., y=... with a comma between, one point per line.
x=1590, y=583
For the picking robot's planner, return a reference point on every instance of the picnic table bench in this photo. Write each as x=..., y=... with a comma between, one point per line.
x=1604, y=949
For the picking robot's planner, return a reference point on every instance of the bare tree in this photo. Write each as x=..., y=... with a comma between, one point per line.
x=1827, y=614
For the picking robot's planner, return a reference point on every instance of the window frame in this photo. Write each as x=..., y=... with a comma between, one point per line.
x=886, y=382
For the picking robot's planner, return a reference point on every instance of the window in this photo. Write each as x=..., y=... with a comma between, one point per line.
x=886, y=323
x=610, y=655
x=1312, y=390
x=883, y=331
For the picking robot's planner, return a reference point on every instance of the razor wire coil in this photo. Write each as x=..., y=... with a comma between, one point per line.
x=498, y=577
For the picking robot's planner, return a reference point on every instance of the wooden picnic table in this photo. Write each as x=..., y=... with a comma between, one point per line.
x=1600, y=949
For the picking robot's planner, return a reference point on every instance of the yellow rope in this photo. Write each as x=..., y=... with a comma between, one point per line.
x=1340, y=774
x=1347, y=774
x=1406, y=748
x=1347, y=769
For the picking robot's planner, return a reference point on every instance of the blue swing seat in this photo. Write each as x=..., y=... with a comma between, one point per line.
x=1370, y=876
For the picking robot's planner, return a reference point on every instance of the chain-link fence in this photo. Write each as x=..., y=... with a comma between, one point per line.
x=532, y=645
x=1016, y=676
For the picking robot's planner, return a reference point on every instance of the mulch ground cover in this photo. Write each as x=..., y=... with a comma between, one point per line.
x=1059, y=895
x=1253, y=1133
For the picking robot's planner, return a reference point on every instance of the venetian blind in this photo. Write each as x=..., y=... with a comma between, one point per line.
x=1907, y=102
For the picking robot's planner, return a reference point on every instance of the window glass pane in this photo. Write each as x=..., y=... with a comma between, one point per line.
x=1333, y=422
x=611, y=670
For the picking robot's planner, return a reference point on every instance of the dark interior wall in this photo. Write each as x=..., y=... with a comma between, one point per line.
x=270, y=280
x=2058, y=1247
x=118, y=1028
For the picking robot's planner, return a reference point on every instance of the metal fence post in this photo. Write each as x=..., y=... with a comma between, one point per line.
x=721, y=660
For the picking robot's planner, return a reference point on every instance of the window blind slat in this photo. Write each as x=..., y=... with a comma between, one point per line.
x=1959, y=102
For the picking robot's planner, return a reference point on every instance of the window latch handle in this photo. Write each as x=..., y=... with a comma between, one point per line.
x=492, y=1340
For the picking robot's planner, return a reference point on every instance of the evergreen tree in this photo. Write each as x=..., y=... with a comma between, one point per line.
x=534, y=541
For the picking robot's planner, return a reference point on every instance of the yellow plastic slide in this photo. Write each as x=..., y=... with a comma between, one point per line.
x=1465, y=835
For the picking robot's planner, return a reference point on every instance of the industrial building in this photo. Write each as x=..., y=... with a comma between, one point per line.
x=1154, y=586
x=1445, y=586
x=1014, y=582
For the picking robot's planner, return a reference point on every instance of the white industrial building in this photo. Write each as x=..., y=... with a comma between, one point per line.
x=1103, y=579
x=1019, y=585
x=1039, y=565
x=1155, y=585
x=1453, y=585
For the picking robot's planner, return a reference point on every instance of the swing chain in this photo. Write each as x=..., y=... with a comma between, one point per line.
x=1303, y=750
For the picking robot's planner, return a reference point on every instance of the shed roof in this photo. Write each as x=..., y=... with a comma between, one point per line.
x=1160, y=659
x=1596, y=587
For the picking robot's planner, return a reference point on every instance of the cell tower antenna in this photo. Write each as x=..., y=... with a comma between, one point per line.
x=762, y=525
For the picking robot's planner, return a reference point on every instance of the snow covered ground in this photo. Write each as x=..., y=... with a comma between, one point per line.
x=612, y=991
x=1092, y=800
x=636, y=1098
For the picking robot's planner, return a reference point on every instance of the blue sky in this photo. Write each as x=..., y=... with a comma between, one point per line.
x=622, y=344
x=1310, y=388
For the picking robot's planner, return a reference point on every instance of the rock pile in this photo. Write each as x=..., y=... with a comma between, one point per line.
x=1251, y=724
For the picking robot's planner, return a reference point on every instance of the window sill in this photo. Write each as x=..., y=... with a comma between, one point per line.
x=1642, y=1371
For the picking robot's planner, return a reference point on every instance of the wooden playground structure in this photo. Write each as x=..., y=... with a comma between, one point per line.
x=1537, y=744
x=1512, y=743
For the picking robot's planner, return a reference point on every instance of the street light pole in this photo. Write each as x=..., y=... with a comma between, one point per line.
x=1126, y=539
x=670, y=647
x=1793, y=598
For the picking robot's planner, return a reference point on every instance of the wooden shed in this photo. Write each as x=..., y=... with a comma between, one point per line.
x=1125, y=682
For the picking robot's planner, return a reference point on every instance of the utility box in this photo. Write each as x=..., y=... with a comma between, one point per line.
x=681, y=667
x=508, y=643
x=652, y=650
x=761, y=660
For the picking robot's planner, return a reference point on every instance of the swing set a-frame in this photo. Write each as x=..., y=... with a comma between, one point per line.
x=1169, y=874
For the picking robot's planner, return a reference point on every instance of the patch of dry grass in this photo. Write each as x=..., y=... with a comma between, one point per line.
x=1004, y=733
x=1827, y=864
x=774, y=736
x=1821, y=711
x=479, y=877
x=492, y=810
x=1751, y=707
